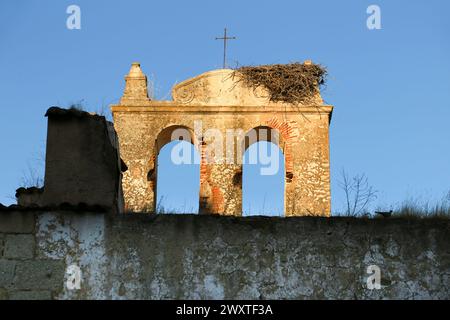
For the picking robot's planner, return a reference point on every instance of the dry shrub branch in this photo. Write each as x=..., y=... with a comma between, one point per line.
x=292, y=83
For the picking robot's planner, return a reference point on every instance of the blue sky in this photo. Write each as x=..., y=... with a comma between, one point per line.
x=390, y=87
x=178, y=185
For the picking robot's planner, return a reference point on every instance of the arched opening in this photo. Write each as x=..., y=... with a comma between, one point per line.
x=177, y=171
x=263, y=177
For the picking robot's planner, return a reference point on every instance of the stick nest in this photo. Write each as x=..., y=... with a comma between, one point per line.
x=292, y=83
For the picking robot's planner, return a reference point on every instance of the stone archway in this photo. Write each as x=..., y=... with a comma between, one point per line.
x=223, y=104
x=263, y=137
x=167, y=135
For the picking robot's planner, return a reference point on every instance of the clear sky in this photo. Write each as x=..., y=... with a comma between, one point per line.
x=390, y=87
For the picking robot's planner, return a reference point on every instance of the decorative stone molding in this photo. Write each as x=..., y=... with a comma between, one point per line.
x=223, y=103
x=217, y=87
x=135, y=86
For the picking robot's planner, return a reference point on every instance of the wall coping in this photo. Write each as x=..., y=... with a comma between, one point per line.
x=169, y=106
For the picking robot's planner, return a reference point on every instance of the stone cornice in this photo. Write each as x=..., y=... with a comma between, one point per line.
x=169, y=106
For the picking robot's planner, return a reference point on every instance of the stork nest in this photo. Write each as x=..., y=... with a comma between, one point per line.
x=292, y=83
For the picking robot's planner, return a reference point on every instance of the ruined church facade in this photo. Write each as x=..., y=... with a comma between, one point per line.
x=216, y=110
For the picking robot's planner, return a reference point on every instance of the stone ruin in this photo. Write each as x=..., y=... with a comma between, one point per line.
x=91, y=162
x=216, y=100
x=71, y=224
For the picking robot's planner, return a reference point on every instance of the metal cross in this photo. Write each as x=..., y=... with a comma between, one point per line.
x=225, y=38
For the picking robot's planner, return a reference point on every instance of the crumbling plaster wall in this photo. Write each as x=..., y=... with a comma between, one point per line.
x=218, y=103
x=82, y=164
x=305, y=148
x=210, y=257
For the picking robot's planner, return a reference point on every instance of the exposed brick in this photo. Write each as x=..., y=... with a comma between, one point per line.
x=19, y=246
x=217, y=200
x=287, y=132
x=6, y=272
x=223, y=105
x=16, y=222
x=39, y=274
x=31, y=295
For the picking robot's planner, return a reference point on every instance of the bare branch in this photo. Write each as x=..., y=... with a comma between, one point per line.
x=358, y=193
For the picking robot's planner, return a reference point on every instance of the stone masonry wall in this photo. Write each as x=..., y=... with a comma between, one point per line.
x=82, y=162
x=139, y=256
x=221, y=104
x=304, y=144
x=24, y=274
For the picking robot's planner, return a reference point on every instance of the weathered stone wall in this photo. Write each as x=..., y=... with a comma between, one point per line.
x=212, y=106
x=139, y=256
x=305, y=149
x=24, y=273
x=82, y=164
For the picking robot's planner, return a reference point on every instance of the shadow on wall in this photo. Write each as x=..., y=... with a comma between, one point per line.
x=83, y=168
